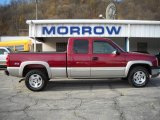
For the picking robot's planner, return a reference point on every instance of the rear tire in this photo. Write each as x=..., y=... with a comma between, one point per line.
x=36, y=80
x=138, y=77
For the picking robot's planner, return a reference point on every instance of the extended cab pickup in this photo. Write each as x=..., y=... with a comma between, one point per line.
x=85, y=58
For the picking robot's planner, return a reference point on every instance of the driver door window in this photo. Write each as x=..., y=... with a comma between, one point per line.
x=102, y=47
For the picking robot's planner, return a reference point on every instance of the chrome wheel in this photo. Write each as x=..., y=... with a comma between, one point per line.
x=35, y=81
x=139, y=77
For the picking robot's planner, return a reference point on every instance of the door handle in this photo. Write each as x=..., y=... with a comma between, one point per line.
x=95, y=58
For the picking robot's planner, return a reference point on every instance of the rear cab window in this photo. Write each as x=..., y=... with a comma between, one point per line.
x=81, y=46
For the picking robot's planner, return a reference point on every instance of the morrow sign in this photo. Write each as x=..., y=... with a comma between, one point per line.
x=79, y=30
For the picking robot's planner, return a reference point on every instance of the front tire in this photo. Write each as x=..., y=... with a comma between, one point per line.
x=36, y=80
x=138, y=77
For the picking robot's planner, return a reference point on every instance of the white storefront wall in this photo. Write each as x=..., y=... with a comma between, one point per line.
x=127, y=33
x=50, y=43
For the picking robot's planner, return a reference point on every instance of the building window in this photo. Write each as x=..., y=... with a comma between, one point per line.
x=61, y=47
x=19, y=48
x=142, y=47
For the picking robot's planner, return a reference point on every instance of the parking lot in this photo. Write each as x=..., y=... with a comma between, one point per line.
x=79, y=100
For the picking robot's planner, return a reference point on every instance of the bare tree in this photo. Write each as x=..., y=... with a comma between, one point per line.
x=13, y=16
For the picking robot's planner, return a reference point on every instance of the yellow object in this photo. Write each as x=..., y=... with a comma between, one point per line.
x=18, y=45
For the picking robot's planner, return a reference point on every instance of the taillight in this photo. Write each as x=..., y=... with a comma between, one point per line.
x=157, y=61
x=7, y=61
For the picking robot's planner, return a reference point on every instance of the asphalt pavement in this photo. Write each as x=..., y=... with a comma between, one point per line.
x=79, y=100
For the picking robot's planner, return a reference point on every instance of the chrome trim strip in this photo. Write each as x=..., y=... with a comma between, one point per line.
x=23, y=64
x=130, y=63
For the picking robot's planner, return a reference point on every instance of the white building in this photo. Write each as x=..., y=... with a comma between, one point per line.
x=132, y=35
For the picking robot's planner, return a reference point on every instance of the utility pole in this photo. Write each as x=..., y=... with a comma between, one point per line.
x=36, y=1
x=36, y=9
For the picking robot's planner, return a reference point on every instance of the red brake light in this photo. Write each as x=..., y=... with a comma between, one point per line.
x=7, y=61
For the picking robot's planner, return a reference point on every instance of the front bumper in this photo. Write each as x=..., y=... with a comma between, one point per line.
x=155, y=71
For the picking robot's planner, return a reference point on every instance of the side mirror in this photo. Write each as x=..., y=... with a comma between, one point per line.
x=116, y=52
x=5, y=53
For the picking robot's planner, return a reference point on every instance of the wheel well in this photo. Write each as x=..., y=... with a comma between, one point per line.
x=28, y=68
x=141, y=65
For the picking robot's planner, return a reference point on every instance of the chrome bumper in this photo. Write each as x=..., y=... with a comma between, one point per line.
x=155, y=71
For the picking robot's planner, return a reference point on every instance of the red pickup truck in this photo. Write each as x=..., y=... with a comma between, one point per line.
x=85, y=58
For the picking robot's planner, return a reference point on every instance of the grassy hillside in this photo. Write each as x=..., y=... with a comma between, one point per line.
x=13, y=16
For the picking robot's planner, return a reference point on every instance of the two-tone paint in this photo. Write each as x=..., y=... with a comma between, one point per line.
x=73, y=65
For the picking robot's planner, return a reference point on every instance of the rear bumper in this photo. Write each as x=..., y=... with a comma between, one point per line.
x=12, y=71
x=155, y=71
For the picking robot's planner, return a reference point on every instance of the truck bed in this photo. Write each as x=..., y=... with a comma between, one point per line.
x=54, y=59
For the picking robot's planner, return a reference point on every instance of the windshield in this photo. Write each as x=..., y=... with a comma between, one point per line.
x=119, y=47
